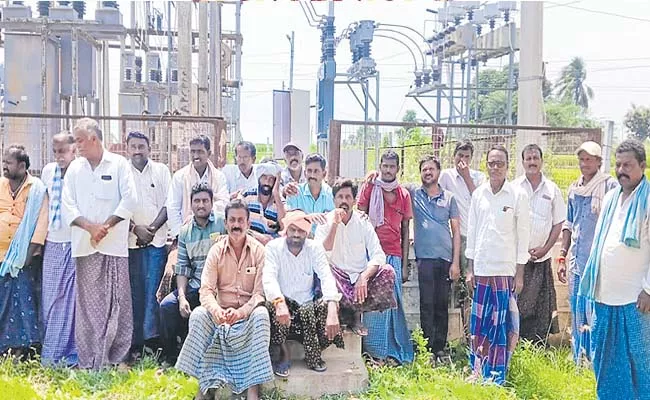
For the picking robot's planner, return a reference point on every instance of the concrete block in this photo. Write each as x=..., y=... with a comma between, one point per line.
x=351, y=352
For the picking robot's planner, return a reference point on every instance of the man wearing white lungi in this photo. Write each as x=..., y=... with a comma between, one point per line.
x=229, y=334
x=99, y=197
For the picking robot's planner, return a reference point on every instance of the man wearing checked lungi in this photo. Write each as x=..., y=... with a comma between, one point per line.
x=356, y=259
x=228, y=339
x=288, y=278
x=58, y=306
x=497, y=251
x=99, y=197
x=616, y=280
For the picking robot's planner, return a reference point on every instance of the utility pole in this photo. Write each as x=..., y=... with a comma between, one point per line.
x=291, y=41
x=203, y=59
x=184, y=9
x=238, y=44
x=215, y=59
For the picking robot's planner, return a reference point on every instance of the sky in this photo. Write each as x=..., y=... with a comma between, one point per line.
x=613, y=37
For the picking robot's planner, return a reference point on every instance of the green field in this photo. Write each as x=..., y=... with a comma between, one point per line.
x=535, y=373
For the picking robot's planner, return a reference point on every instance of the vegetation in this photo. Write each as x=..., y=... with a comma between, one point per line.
x=535, y=373
x=637, y=120
x=571, y=87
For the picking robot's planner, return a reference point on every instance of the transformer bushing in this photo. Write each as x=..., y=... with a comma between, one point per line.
x=44, y=8
x=80, y=8
x=426, y=77
x=418, y=79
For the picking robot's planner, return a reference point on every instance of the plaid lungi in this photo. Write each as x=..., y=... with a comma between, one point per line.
x=388, y=335
x=494, y=327
x=307, y=326
x=58, y=305
x=381, y=294
x=236, y=356
x=537, y=302
x=621, y=350
x=581, y=321
x=104, y=317
x=18, y=311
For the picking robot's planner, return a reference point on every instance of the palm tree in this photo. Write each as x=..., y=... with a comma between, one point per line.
x=571, y=84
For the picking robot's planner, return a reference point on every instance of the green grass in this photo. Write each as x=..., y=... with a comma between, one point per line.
x=535, y=373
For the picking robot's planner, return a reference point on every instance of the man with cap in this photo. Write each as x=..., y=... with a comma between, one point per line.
x=294, y=172
x=584, y=206
x=288, y=281
x=265, y=203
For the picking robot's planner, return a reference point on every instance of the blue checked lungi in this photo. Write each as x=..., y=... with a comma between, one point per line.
x=236, y=356
x=146, y=267
x=18, y=313
x=494, y=327
x=620, y=342
x=388, y=334
x=58, y=305
x=581, y=321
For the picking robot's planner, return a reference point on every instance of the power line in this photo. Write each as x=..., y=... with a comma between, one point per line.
x=611, y=14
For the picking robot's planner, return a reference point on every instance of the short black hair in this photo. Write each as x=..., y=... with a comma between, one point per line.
x=248, y=146
x=201, y=188
x=137, y=135
x=464, y=145
x=532, y=147
x=498, y=147
x=389, y=155
x=342, y=183
x=634, y=146
x=316, y=157
x=202, y=140
x=19, y=153
x=427, y=158
x=238, y=204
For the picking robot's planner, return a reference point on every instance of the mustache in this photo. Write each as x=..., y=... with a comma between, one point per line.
x=619, y=176
x=236, y=229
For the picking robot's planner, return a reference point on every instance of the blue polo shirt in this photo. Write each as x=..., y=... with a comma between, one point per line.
x=306, y=202
x=431, y=223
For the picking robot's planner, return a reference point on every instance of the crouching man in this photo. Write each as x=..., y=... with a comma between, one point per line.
x=288, y=280
x=357, y=261
x=228, y=337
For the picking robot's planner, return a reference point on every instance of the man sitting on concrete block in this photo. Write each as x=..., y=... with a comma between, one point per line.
x=288, y=280
x=356, y=259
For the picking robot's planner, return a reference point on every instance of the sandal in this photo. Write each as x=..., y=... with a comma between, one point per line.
x=282, y=369
x=321, y=367
x=359, y=329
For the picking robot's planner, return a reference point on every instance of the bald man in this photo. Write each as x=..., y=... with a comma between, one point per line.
x=99, y=196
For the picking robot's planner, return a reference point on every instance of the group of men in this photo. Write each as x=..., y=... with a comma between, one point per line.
x=262, y=254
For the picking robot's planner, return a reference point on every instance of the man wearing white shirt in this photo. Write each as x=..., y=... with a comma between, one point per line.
x=58, y=305
x=356, y=258
x=241, y=176
x=288, y=280
x=99, y=197
x=497, y=249
x=616, y=281
x=147, y=251
x=537, y=301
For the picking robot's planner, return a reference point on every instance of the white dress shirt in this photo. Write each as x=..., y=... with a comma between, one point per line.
x=152, y=185
x=289, y=276
x=354, y=244
x=451, y=180
x=63, y=234
x=498, y=230
x=175, y=215
x=96, y=195
x=547, y=209
x=624, y=271
x=236, y=180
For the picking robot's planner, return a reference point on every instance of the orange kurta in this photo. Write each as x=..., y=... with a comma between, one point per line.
x=12, y=212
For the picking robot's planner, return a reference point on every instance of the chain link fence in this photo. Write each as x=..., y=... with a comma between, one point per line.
x=169, y=136
x=359, y=145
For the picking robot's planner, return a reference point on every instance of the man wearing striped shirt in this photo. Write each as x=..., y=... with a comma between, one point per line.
x=194, y=242
x=537, y=301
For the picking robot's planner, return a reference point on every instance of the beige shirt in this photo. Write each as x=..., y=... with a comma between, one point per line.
x=227, y=282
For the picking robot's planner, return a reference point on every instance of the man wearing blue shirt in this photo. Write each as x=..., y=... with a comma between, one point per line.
x=314, y=196
x=437, y=251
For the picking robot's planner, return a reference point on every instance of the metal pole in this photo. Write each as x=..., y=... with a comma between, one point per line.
x=203, y=59
x=215, y=59
x=365, y=125
x=439, y=92
x=169, y=58
x=469, y=84
x=607, y=147
x=476, y=103
x=377, y=135
x=511, y=79
x=236, y=111
x=291, y=41
x=75, y=73
x=462, y=94
x=451, y=93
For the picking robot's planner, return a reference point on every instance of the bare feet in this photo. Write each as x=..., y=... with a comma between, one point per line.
x=253, y=393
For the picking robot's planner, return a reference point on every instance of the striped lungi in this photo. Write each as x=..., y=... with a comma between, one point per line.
x=581, y=321
x=18, y=311
x=388, y=335
x=494, y=327
x=236, y=355
x=104, y=317
x=381, y=294
x=58, y=305
x=621, y=349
